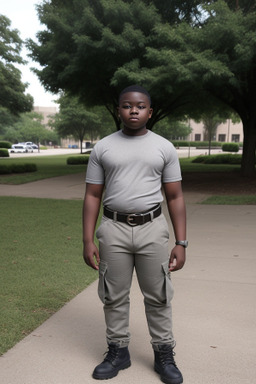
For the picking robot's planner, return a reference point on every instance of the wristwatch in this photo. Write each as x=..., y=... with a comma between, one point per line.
x=184, y=243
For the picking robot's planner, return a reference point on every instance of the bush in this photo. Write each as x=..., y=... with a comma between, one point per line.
x=77, y=160
x=5, y=169
x=230, y=147
x=180, y=143
x=17, y=168
x=4, y=152
x=218, y=159
x=5, y=144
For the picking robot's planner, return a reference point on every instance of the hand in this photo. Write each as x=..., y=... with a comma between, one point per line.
x=91, y=255
x=177, y=258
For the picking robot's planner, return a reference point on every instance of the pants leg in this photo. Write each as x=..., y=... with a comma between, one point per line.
x=115, y=277
x=152, y=268
x=144, y=247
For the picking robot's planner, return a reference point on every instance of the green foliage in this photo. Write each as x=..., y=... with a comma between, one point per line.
x=77, y=160
x=4, y=152
x=17, y=168
x=5, y=144
x=42, y=269
x=230, y=147
x=218, y=159
x=12, y=90
x=5, y=169
x=193, y=57
x=172, y=129
x=76, y=120
x=47, y=166
x=29, y=127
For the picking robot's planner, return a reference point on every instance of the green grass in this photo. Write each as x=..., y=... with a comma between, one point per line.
x=41, y=262
x=48, y=166
x=231, y=200
x=187, y=166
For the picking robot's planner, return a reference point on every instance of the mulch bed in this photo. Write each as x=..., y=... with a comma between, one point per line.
x=218, y=183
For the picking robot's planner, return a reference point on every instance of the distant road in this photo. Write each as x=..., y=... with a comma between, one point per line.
x=182, y=152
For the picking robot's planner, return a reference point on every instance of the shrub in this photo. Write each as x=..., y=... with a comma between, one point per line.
x=76, y=160
x=180, y=143
x=17, y=168
x=230, y=147
x=4, y=152
x=218, y=159
x=5, y=169
x=5, y=144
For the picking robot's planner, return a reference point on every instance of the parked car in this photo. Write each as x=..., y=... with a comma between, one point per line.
x=33, y=145
x=20, y=148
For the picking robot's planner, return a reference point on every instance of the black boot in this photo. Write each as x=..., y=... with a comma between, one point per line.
x=117, y=359
x=166, y=366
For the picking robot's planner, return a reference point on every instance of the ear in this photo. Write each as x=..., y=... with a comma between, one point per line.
x=150, y=113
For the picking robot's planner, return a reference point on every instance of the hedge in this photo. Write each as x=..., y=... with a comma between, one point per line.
x=76, y=160
x=17, y=168
x=4, y=152
x=230, y=147
x=5, y=144
x=219, y=159
x=197, y=144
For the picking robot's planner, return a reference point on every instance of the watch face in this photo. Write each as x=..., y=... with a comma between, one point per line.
x=184, y=243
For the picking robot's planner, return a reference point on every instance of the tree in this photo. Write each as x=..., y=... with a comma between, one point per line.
x=228, y=38
x=74, y=119
x=13, y=99
x=193, y=57
x=101, y=46
x=172, y=129
x=29, y=127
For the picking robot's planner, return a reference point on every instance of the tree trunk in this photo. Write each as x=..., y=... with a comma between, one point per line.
x=249, y=147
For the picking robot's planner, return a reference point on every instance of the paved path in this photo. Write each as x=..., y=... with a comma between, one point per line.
x=214, y=308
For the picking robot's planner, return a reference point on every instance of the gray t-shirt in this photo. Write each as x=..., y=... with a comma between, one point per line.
x=133, y=169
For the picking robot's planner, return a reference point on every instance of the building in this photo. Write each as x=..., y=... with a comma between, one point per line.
x=47, y=113
x=226, y=132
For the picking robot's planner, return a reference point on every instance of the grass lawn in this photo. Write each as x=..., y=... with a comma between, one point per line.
x=48, y=166
x=41, y=248
x=41, y=262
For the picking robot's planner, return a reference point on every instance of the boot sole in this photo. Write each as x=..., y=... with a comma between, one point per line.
x=113, y=374
x=168, y=381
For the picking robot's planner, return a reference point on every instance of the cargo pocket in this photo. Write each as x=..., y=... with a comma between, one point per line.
x=102, y=281
x=168, y=287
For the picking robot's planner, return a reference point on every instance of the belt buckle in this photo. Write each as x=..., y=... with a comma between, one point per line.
x=129, y=218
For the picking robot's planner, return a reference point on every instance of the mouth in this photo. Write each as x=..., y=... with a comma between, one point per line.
x=133, y=119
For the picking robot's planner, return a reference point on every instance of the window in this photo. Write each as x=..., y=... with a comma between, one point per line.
x=198, y=137
x=222, y=138
x=235, y=138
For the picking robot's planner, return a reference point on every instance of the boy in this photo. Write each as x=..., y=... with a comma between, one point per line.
x=133, y=165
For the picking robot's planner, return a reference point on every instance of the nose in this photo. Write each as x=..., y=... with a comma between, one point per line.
x=134, y=109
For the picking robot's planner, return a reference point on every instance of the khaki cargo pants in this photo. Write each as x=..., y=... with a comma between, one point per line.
x=145, y=248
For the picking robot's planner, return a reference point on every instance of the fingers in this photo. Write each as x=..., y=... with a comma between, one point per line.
x=177, y=259
x=91, y=257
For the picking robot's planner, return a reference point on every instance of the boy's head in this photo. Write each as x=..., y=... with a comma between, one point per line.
x=135, y=88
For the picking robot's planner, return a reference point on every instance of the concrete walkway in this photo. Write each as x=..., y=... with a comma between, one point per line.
x=214, y=308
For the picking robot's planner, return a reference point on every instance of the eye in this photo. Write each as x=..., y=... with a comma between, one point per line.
x=126, y=107
x=141, y=107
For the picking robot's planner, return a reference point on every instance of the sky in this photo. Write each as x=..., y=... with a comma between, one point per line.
x=23, y=16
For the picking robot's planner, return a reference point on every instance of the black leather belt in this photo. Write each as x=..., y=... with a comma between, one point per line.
x=133, y=218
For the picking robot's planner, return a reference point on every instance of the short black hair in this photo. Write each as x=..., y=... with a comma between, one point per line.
x=135, y=88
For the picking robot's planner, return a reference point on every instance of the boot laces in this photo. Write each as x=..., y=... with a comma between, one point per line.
x=167, y=357
x=112, y=353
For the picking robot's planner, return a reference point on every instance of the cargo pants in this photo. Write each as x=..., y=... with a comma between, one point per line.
x=145, y=248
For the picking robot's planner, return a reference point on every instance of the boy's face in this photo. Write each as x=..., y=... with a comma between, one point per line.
x=134, y=111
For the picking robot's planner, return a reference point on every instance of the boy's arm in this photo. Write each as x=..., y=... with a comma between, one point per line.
x=91, y=207
x=177, y=212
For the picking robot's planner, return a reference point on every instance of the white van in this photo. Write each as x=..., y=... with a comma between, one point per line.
x=20, y=148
